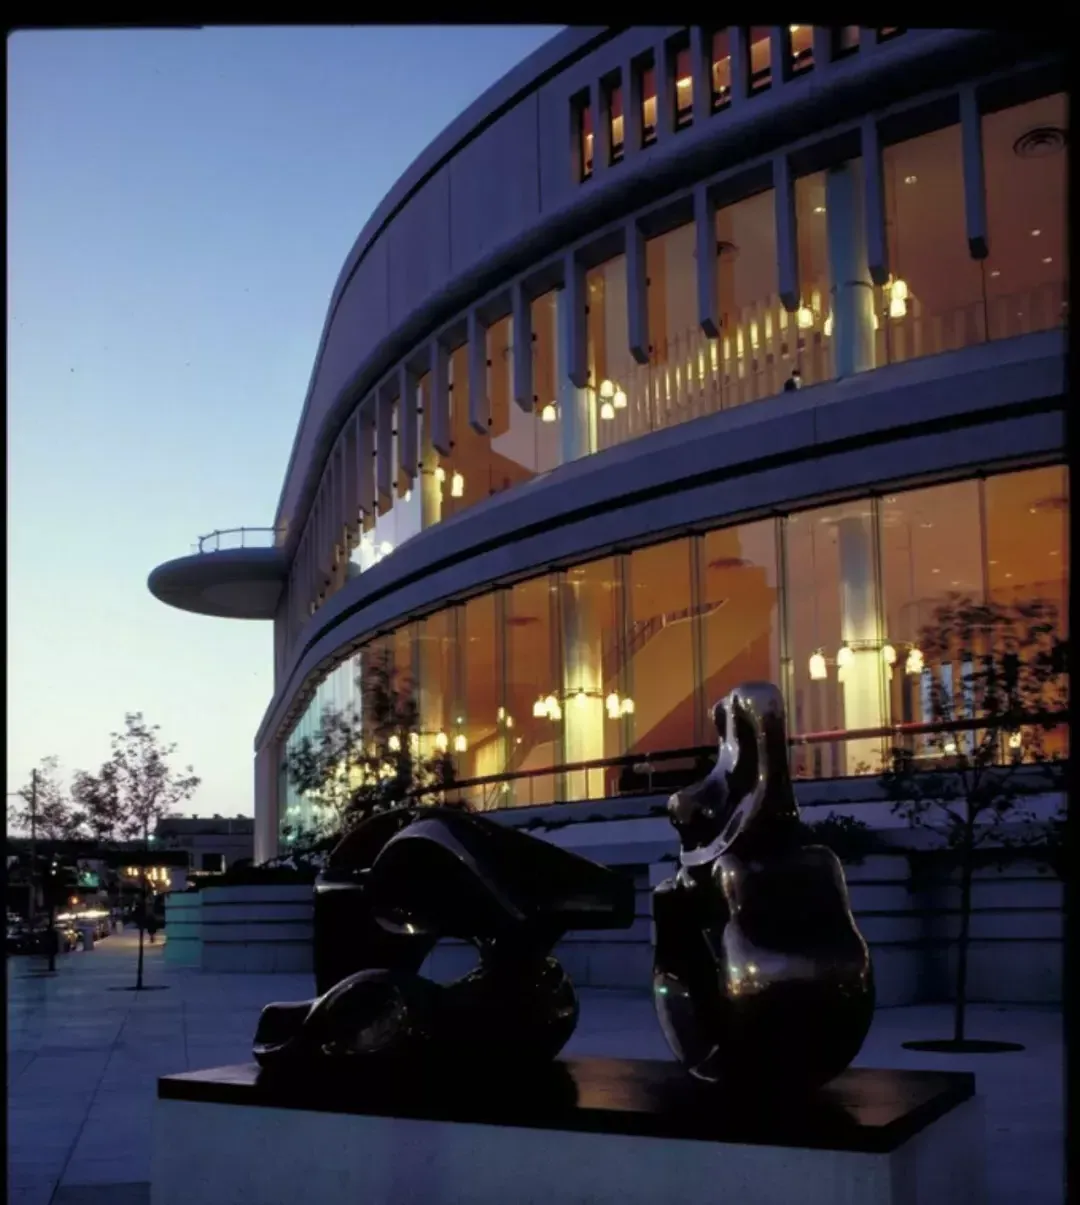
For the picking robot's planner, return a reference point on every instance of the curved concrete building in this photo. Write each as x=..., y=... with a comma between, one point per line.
x=684, y=356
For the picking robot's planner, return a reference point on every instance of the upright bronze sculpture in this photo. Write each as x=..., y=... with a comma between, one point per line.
x=761, y=978
x=762, y=981
x=394, y=886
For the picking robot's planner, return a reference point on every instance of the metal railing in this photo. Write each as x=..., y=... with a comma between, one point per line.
x=671, y=769
x=238, y=537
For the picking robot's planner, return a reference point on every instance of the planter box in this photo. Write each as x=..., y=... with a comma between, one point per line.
x=257, y=930
x=183, y=928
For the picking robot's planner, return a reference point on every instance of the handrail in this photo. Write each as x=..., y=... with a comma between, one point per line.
x=250, y=537
x=645, y=760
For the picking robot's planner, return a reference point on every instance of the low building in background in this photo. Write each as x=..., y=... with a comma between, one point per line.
x=212, y=843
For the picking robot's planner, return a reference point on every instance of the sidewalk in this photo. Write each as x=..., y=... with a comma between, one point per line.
x=84, y=1057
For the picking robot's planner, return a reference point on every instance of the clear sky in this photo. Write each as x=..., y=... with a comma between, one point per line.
x=179, y=206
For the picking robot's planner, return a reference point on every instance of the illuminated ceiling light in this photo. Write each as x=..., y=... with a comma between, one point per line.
x=1015, y=740
x=460, y=743
x=1048, y=259
x=441, y=741
x=844, y=656
x=914, y=661
x=1036, y=233
x=996, y=273
x=805, y=317
x=817, y=667
x=619, y=400
x=793, y=29
x=539, y=709
x=888, y=654
x=385, y=548
x=550, y=413
x=627, y=707
x=501, y=714
x=911, y=179
x=897, y=308
x=457, y=486
x=394, y=742
x=828, y=326
x=819, y=208
x=509, y=721
x=607, y=388
x=607, y=411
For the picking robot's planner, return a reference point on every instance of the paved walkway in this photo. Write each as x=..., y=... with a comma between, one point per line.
x=84, y=1057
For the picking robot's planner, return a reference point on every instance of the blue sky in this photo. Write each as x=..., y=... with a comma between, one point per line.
x=179, y=206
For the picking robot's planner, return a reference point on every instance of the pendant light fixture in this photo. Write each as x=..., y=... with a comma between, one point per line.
x=607, y=411
x=607, y=389
x=394, y=743
x=550, y=413
x=539, y=709
x=619, y=400
x=844, y=656
x=441, y=741
x=888, y=653
x=818, y=669
x=457, y=486
x=460, y=743
x=612, y=703
x=914, y=661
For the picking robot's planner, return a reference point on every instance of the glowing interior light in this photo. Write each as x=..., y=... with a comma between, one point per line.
x=539, y=709
x=501, y=714
x=460, y=743
x=1015, y=740
x=581, y=698
x=828, y=326
x=817, y=667
x=385, y=548
x=619, y=400
x=844, y=656
x=897, y=307
x=414, y=741
x=805, y=317
x=440, y=473
x=457, y=486
x=888, y=654
x=627, y=707
x=612, y=705
x=898, y=291
x=607, y=388
x=915, y=661
x=549, y=414
x=441, y=742
x=754, y=336
x=509, y=721
x=394, y=742
x=607, y=411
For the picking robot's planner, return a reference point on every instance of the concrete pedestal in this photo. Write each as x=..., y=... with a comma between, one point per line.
x=595, y=1130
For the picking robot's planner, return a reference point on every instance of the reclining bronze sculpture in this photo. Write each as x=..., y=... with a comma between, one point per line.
x=761, y=978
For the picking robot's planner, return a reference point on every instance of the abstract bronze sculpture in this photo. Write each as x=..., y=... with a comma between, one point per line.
x=761, y=978
x=394, y=886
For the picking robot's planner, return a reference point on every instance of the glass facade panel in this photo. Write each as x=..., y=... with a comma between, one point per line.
x=670, y=389
x=740, y=611
x=834, y=638
x=532, y=689
x=615, y=418
x=934, y=302
x=760, y=51
x=648, y=104
x=659, y=697
x=684, y=87
x=721, y=68
x=625, y=655
x=810, y=329
x=1026, y=160
x=615, y=116
x=591, y=629
x=801, y=40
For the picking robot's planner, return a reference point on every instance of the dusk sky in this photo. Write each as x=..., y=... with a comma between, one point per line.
x=179, y=206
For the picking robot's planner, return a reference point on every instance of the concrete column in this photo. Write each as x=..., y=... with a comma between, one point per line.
x=479, y=404
x=787, y=250
x=701, y=70
x=861, y=681
x=577, y=418
x=523, y=353
x=266, y=803
x=407, y=417
x=705, y=253
x=637, y=293
x=877, y=245
x=583, y=718
x=384, y=446
x=852, y=290
x=974, y=174
x=439, y=397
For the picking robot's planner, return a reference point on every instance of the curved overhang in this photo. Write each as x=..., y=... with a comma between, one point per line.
x=236, y=583
x=956, y=414
x=384, y=310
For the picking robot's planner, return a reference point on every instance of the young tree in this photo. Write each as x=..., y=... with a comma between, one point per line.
x=362, y=762
x=995, y=688
x=147, y=789
x=97, y=797
x=46, y=814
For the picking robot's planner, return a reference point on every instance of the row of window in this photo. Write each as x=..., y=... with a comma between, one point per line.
x=939, y=299
x=797, y=42
x=623, y=655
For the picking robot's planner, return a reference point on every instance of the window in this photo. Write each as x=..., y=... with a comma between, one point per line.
x=583, y=135
x=1026, y=161
x=885, y=35
x=670, y=389
x=740, y=610
x=480, y=727
x=721, y=69
x=647, y=84
x=532, y=688
x=845, y=40
x=758, y=345
x=661, y=701
x=611, y=368
x=438, y=696
x=760, y=54
x=471, y=472
x=545, y=351
x=811, y=325
x=1027, y=537
x=684, y=87
x=615, y=117
x=512, y=433
x=834, y=637
x=801, y=44
x=934, y=300
x=591, y=626
x=214, y=863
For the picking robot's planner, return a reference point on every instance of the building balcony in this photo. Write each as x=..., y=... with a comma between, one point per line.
x=234, y=574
